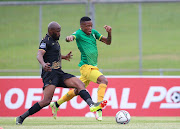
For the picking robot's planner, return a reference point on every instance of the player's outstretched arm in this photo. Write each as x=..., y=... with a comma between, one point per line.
x=68, y=56
x=107, y=40
x=69, y=38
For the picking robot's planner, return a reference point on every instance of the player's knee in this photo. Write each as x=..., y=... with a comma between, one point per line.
x=104, y=81
x=46, y=102
x=77, y=84
x=80, y=86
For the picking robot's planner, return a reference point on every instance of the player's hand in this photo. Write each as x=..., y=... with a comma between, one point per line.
x=69, y=38
x=46, y=67
x=108, y=28
x=68, y=56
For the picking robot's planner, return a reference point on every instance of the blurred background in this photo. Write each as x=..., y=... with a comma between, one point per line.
x=145, y=35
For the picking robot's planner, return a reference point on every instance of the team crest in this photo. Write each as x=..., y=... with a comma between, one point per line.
x=43, y=45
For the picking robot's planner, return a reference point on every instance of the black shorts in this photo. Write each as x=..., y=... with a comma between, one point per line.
x=55, y=77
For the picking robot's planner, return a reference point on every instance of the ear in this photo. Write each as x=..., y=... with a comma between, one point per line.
x=82, y=26
x=50, y=31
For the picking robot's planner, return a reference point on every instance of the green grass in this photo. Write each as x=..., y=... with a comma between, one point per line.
x=19, y=30
x=91, y=123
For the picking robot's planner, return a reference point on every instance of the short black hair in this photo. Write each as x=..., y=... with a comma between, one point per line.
x=85, y=18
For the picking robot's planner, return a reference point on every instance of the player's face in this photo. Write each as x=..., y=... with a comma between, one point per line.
x=86, y=27
x=56, y=33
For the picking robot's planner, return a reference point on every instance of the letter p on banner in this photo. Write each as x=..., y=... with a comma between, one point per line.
x=151, y=95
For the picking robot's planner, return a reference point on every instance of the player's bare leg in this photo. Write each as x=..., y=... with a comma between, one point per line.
x=48, y=94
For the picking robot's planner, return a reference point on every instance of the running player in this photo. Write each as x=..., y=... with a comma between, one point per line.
x=49, y=56
x=86, y=41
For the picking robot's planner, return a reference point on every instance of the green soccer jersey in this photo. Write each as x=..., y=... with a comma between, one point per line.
x=87, y=46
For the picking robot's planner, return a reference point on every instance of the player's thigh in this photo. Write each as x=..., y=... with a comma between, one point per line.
x=49, y=91
x=94, y=75
x=74, y=82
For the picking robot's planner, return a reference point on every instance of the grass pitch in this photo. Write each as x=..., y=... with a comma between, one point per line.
x=91, y=123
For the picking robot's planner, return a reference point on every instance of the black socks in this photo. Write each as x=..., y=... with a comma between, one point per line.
x=57, y=105
x=86, y=97
x=35, y=108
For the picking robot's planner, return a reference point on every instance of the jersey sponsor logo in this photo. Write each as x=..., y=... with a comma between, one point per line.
x=56, y=65
x=74, y=33
x=43, y=45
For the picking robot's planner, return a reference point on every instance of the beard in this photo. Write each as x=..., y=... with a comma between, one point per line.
x=55, y=37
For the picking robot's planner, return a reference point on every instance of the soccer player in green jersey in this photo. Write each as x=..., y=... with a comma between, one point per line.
x=86, y=41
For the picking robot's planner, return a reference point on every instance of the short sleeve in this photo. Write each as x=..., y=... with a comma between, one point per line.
x=75, y=34
x=98, y=35
x=43, y=45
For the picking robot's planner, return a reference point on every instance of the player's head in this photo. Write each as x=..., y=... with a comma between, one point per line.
x=54, y=30
x=86, y=25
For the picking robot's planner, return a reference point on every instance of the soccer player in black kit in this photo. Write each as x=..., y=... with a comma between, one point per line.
x=49, y=56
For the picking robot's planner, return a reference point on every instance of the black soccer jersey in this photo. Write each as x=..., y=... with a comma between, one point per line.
x=53, y=53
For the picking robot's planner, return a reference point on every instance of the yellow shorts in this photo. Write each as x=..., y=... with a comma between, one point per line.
x=89, y=73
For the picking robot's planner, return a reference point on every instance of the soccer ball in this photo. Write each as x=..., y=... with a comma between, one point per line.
x=175, y=97
x=122, y=117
